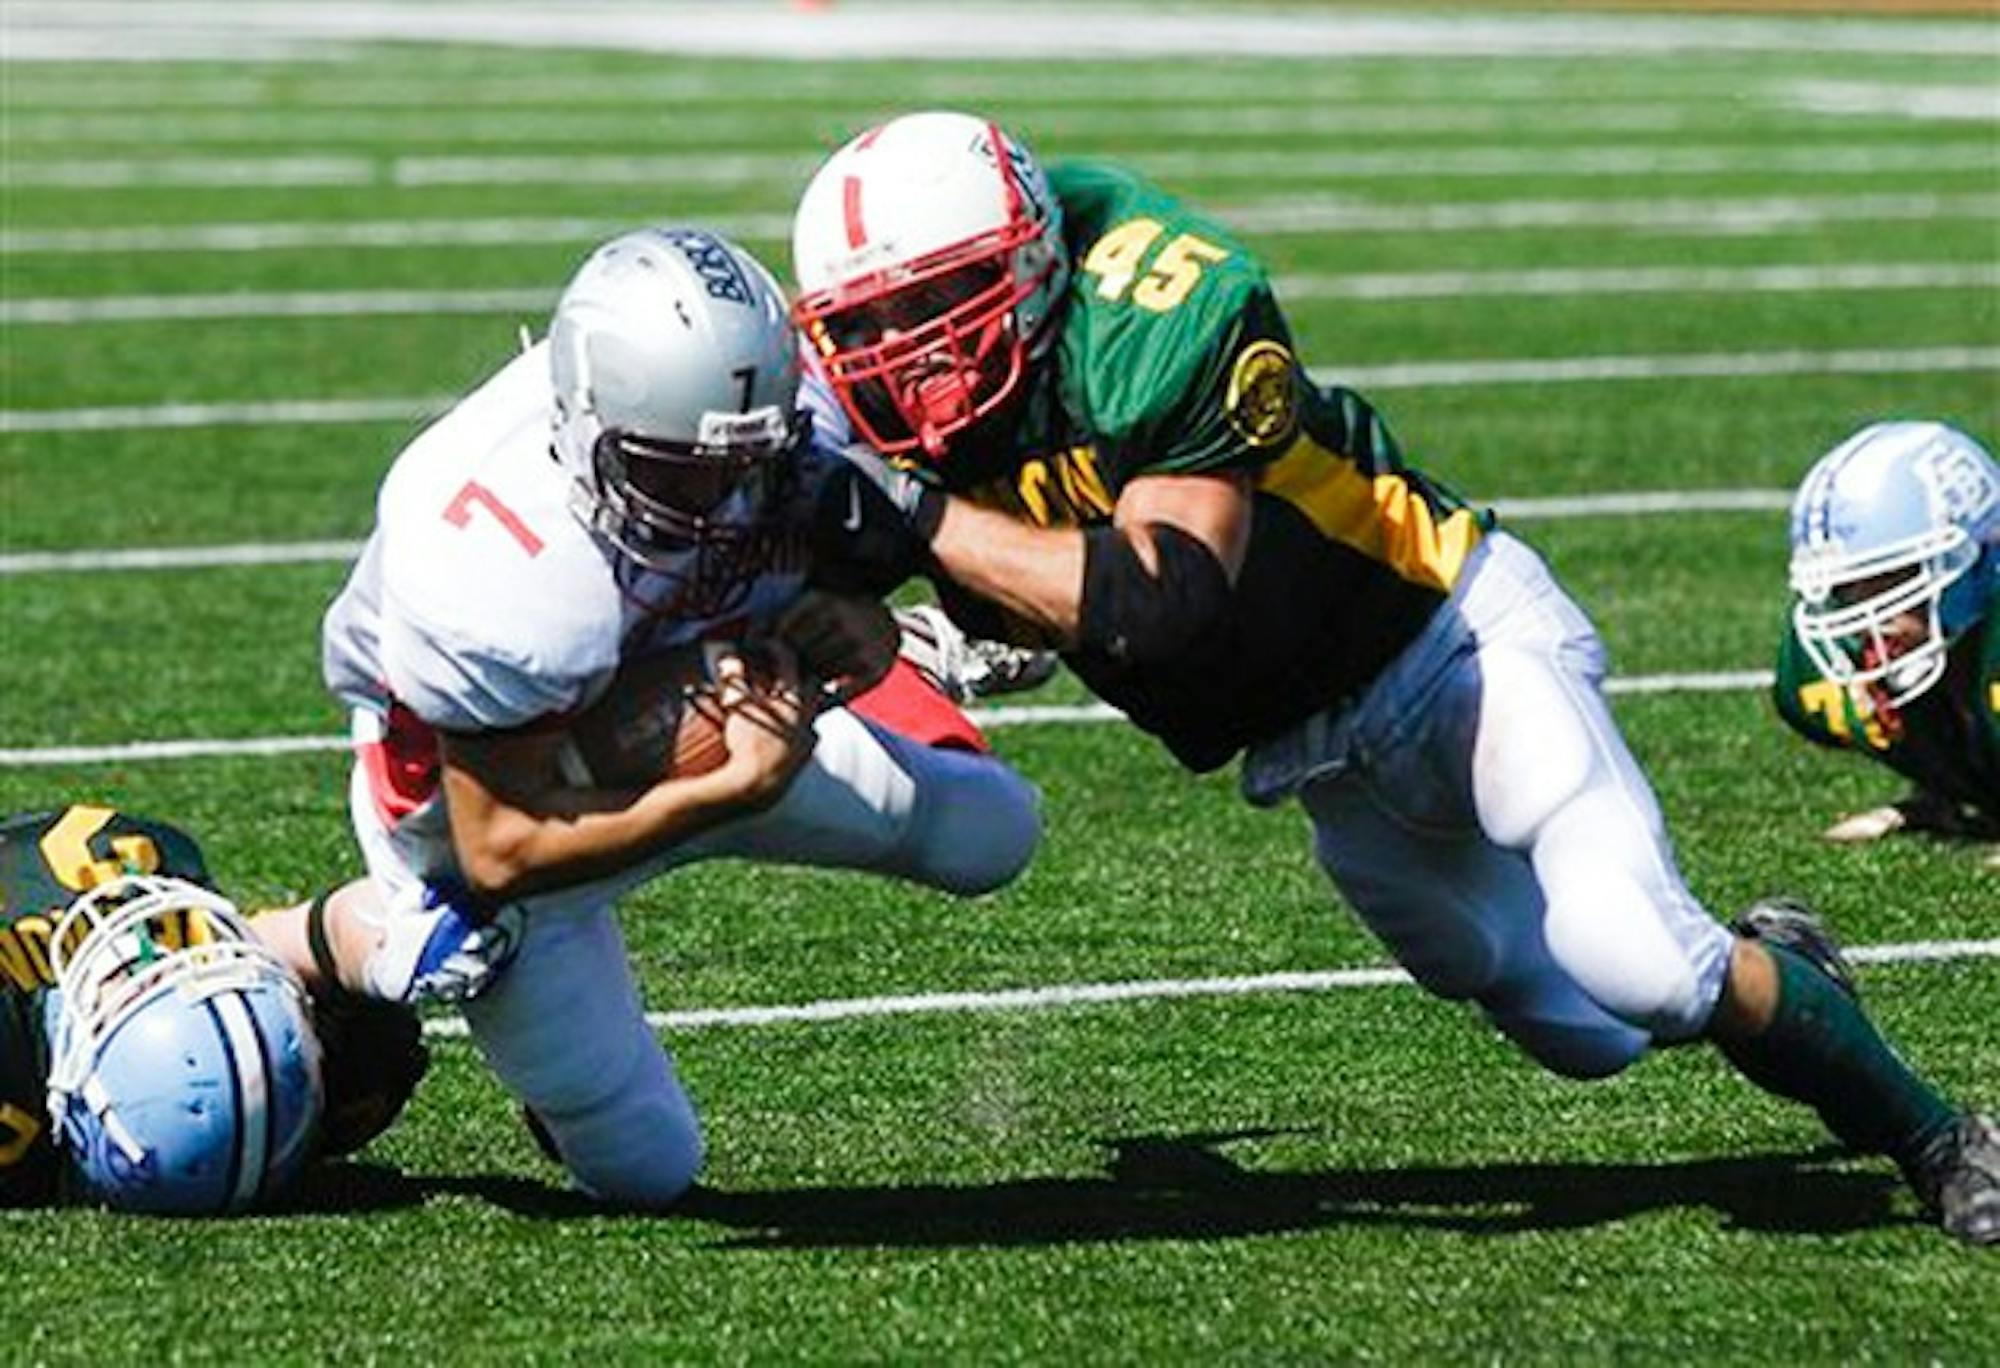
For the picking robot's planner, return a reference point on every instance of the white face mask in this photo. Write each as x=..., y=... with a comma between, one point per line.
x=1869, y=641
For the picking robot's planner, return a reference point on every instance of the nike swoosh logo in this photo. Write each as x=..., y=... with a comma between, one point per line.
x=852, y=523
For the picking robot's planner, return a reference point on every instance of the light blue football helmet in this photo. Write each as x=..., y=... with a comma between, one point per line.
x=1900, y=518
x=184, y=1074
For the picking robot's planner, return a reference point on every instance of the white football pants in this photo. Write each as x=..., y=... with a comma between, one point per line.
x=564, y=1027
x=1479, y=809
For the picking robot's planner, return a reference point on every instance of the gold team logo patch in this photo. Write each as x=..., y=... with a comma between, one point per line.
x=1261, y=405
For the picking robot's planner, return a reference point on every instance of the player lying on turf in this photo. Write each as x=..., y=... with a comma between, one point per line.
x=1890, y=650
x=155, y=1055
x=617, y=493
x=1099, y=438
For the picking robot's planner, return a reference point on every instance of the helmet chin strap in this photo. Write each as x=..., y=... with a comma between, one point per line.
x=944, y=398
x=943, y=401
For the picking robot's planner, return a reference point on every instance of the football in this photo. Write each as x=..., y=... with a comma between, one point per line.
x=661, y=718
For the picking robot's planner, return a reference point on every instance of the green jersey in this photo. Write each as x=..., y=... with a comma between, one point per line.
x=1947, y=738
x=46, y=860
x=1173, y=358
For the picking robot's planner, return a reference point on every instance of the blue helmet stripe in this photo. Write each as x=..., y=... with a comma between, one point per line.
x=231, y=1178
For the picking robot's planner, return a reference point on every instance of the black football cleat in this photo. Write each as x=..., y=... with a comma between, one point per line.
x=1790, y=923
x=1958, y=1177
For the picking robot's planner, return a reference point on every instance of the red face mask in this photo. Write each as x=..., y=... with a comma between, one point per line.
x=921, y=351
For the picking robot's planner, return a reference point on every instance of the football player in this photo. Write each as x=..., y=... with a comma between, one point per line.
x=1888, y=648
x=1083, y=417
x=620, y=489
x=155, y=1054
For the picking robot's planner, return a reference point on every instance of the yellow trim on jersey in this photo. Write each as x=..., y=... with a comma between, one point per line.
x=1993, y=695
x=1383, y=518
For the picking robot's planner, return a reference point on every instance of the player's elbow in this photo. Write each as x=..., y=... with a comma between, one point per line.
x=1144, y=615
x=497, y=861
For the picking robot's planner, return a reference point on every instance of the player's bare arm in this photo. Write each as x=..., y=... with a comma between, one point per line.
x=1045, y=575
x=519, y=828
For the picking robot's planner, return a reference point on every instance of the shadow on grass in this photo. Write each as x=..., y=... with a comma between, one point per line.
x=1179, y=1188
x=1185, y=1188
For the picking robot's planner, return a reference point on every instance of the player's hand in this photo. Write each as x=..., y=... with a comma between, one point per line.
x=1923, y=811
x=848, y=641
x=767, y=725
x=445, y=950
x=872, y=524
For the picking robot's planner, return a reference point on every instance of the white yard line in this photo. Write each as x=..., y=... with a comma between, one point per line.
x=754, y=168
x=1056, y=714
x=275, y=412
x=1614, y=504
x=1697, y=365
x=1379, y=285
x=1967, y=103
x=1396, y=375
x=1138, y=990
x=1661, y=217
x=289, y=304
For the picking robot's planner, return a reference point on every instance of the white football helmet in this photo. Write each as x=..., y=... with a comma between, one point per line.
x=1894, y=536
x=184, y=1073
x=930, y=257
x=676, y=378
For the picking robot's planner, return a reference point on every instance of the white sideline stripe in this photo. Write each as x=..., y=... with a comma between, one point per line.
x=308, y=552
x=761, y=168
x=1655, y=217
x=1401, y=375
x=81, y=29
x=1019, y=716
x=1382, y=285
x=1138, y=990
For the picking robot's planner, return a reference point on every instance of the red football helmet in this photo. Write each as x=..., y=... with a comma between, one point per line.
x=930, y=259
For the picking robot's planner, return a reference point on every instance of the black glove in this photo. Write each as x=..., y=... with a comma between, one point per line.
x=872, y=524
x=372, y=1058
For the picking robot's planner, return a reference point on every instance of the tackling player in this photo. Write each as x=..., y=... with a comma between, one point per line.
x=1889, y=648
x=1102, y=440
x=620, y=489
x=154, y=1054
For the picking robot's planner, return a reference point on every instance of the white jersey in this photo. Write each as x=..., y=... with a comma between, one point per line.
x=481, y=602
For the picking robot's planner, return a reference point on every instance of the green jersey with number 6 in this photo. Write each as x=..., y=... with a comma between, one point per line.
x=1947, y=738
x=46, y=860
x=1174, y=359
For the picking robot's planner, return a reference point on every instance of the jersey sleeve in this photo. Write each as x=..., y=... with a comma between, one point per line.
x=1239, y=406
x=29, y=1162
x=456, y=684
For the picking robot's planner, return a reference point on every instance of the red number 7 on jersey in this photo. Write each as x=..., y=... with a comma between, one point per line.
x=459, y=514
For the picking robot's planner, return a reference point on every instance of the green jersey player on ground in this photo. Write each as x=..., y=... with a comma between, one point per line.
x=47, y=860
x=53, y=861
x=1890, y=647
x=1078, y=410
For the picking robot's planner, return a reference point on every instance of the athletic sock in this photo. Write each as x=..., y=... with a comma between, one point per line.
x=1821, y=1049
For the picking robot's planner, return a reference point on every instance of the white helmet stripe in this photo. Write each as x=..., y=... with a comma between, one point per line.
x=245, y=1047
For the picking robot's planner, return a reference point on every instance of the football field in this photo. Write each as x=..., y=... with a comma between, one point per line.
x=1161, y=1100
